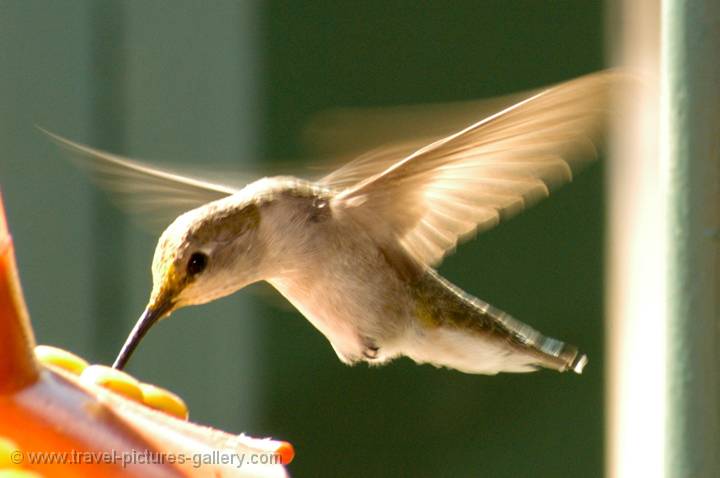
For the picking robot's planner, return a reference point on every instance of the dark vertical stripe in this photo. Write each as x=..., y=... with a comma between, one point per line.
x=108, y=90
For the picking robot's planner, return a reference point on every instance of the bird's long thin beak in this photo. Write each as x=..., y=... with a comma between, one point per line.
x=149, y=317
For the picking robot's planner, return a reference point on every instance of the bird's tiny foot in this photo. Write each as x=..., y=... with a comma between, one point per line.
x=371, y=351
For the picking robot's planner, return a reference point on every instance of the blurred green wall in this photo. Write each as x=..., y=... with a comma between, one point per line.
x=222, y=82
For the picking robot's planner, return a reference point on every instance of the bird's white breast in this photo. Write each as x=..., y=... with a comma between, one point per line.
x=337, y=277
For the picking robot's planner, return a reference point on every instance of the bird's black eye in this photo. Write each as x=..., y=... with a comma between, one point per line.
x=197, y=263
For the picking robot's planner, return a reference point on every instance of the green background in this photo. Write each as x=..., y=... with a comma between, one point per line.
x=233, y=84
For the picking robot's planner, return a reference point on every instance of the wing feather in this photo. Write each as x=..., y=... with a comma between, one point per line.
x=484, y=174
x=156, y=194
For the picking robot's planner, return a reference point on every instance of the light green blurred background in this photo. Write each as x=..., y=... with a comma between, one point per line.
x=233, y=83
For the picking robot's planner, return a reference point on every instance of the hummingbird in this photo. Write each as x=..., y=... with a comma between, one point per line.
x=356, y=250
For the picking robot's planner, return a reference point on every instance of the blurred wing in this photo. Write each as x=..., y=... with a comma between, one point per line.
x=486, y=173
x=341, y=132
x=371, y=163
x=154, y=193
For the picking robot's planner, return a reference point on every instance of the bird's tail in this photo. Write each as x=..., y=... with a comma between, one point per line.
x=551, y=353
x=479, y=338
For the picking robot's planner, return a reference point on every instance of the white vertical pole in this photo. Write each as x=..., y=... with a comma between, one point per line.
x=635, y=330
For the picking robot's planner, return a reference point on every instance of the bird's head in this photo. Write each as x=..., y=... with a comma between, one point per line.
x=205, y=254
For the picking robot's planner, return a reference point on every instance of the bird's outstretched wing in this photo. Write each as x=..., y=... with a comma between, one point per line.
x=485, y=173
x=158, y=195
